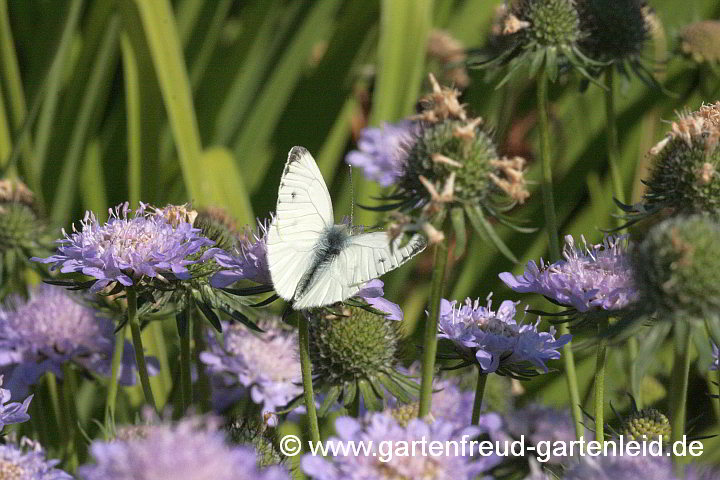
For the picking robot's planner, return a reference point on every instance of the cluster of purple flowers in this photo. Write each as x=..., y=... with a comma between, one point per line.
x=265, y=363
x=194, y=448
x=377, y=429
x=494, y=338
x=590, y=277
x=13, y=412
x=51, y=328
x=27, y=462
x=126, y=249
x=249, y=262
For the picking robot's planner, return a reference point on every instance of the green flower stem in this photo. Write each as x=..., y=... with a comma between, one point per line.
x=679, y=382
x=614, y=158
x=613, y=145
x=306, y=368
x=202, y=386
x=69, y=393
x=111, y=399
x=137, y=343
x=479, y=393
x=552, y=229
x=600, y=381
x=430, y=343
x=185, y=361
x=55, y=402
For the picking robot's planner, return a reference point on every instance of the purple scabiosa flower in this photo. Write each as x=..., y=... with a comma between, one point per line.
x=383, y=151
x=540, y=423
x=27, y=462
x=379, y=429
x=372, y=292
x=495, y=340
x=591, y=277
x=265, y=363
x=13, y=412
x=716, y=358
x=621, y=467
x=192, y=449
x=247, y=262
x=127, y=249
x=49, y=329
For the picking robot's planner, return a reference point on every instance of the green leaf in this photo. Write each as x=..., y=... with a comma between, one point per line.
x=225, y=184
x=487, y=232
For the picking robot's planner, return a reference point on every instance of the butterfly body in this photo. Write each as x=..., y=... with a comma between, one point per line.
x=314, y=262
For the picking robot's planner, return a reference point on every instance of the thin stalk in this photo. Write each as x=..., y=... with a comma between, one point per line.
x=137, y=343
x=600, y=381
x=55, y=402
x=185, y=363
x=111, y=399
x=679, y=384
x=430, y=343
x=306, y=368
x=613, y=145
x=614, y=158
x=202, y=385
x=70, y=415
x=554, y=246
x=479, y=393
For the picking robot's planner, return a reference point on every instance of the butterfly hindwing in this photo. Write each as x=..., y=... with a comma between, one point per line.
x=365, y=257
x=304, y=211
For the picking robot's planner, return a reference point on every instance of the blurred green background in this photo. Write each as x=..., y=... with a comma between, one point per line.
x=167, y=102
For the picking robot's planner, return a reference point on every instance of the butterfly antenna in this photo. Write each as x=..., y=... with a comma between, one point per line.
x=352, y=196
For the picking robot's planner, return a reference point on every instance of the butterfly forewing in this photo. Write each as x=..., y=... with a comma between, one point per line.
x=303, y=213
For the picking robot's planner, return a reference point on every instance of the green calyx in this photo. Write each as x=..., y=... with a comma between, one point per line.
x=677, y=267
x=553, y=23
x=615, y=30
x=19, y=227
x=646, y=425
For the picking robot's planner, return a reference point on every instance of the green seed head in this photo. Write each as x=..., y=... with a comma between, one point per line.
x=353, y=347
x=615, y=30
x=217, y=225
x=684, y=175
x=553, y=23
x=677, y=267
x=646, y=425
x=255, y=432
x=701, y=41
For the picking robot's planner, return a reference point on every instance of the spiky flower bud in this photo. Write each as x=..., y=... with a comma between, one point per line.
x=356, y=352
x=537, y=33
x=255, y=432
x=701, y=41
x=217, y=225
x=646, y=425
x=677, y=267
x=684, y=175
x=23, y=232
x=616, y=30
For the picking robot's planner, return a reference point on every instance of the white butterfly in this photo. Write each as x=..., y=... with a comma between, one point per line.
x=314, y=262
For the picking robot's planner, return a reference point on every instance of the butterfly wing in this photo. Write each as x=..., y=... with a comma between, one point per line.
x=304, y=211
x=365, y=257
